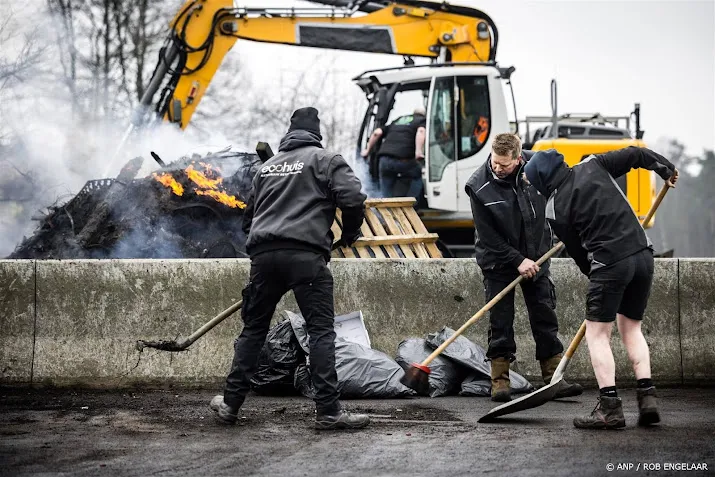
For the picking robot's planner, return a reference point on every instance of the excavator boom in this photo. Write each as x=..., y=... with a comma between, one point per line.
x=203, y=31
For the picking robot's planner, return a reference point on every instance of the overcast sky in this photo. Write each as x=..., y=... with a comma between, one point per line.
x=606, y=56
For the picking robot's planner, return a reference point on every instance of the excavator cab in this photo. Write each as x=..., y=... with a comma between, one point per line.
x=465, y=107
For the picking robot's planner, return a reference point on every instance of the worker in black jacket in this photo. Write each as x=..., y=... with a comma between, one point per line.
x=591, y=215
x=288, y=219
x=511, y=233
x=401, y=154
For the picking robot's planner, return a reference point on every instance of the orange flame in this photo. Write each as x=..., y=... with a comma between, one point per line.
x=205, y=185
x=198, y=178
x=169, y=181
x=222, y=197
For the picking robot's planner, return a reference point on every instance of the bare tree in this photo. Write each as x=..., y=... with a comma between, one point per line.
x=21, y=55
x=261, y=111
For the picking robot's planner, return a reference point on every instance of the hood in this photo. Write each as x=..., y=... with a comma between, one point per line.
x=297, y=139
x=546, y=170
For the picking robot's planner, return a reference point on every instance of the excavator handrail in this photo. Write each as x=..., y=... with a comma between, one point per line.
x=430, y=65
x=288, y=12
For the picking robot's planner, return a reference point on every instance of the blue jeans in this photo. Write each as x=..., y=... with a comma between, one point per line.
x=392, y=170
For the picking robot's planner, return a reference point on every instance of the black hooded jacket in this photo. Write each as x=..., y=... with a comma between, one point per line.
x=586, y=208
x=509, y=220
x=294, y=196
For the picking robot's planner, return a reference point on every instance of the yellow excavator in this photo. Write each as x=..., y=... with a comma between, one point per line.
x=463, y=88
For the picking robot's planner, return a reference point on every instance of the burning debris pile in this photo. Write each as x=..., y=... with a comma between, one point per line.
x=192, y=208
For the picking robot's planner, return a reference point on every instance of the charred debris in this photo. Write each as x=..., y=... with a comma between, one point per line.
x=191, y=208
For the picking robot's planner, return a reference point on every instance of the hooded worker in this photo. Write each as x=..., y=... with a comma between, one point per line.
x=288, y=219
x=590, y=214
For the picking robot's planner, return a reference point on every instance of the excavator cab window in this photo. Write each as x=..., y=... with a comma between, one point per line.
x=463, y=108
x=409, y=97
x=474, y=118
x=441, y=130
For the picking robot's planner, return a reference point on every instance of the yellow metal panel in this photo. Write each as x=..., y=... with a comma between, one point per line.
x=198, y=29
x=640, y=184
x=411, y=34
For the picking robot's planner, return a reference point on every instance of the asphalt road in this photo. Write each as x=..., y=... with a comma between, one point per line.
x=172, y=432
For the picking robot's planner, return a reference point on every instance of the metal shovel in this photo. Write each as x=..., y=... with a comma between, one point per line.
x=545, y=394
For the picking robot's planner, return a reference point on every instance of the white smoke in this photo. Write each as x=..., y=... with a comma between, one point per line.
x=50, y=146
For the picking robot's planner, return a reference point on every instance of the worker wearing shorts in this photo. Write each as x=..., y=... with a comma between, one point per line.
x=590, y=214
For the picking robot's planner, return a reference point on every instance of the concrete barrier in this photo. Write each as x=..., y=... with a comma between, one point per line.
x=17, y=320
x=76, y=322
x=697, y=327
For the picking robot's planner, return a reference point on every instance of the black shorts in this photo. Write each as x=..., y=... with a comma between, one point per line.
x=622, y=287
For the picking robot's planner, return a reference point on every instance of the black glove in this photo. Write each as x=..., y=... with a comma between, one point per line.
x=346, y=240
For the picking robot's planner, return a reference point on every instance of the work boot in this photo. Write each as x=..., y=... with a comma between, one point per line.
x=342, y=420
x=647, y=407
x=224, y=413
x=501, y=388
x=608, y=414
x=548, y=368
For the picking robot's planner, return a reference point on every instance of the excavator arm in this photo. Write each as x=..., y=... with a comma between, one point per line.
x=203, y=31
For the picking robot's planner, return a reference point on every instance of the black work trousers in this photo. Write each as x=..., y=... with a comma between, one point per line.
x=540, y=301
x=273, y=274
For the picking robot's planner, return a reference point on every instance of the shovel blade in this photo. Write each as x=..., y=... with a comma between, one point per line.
x=528, y=401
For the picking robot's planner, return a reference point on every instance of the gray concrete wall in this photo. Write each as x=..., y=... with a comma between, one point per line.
x=17, y=320
x=76, y=322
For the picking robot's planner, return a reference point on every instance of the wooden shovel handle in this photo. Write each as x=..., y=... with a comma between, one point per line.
x=576, y=340
x=214, y=321
x=656, y=204
x=488, y=307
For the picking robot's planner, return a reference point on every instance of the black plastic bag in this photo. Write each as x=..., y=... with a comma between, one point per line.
x=473, y=356
x=280, y=356
x=445, y=376
x=362, y=373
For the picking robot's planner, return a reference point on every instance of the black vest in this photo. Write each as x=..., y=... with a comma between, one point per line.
x=399, y=139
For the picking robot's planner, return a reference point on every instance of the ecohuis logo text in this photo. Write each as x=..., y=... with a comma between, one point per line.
x=282, y=169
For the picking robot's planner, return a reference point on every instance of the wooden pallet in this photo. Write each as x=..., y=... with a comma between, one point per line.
x=392, y=229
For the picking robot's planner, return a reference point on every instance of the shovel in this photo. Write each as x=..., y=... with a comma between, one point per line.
x=417, y=374
x=547, y=393
x=183, y=343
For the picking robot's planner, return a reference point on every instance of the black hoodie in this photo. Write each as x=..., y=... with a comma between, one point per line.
x=294, y=196
x=586, y=208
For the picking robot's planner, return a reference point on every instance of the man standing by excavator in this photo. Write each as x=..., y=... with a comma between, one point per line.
x=602, y=234
x=288, y=219
x=401, y=154
x=511, y=233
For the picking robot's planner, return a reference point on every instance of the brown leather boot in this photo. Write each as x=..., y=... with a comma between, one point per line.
x=501, y=388
x=548, y=368
x=608, y=414
x=647, y=407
